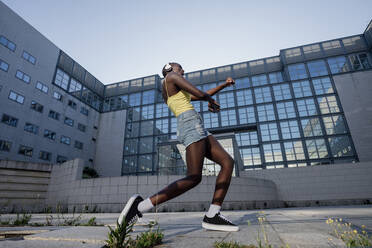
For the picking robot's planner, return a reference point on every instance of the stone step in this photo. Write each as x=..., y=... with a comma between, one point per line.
x=24, y=179
x=10, y=172
x=23, y=187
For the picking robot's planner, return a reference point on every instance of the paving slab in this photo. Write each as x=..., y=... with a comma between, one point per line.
x=295, y=227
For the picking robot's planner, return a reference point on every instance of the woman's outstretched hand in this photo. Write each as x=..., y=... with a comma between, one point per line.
x=213, y=106
x=229, y=81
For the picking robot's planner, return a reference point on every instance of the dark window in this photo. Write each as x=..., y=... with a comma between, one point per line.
x=72, y=104
x=65, y=140
x=4, y=66
x=31, y=128
x=84, y=111
x=16, y=97
x=49, y=134
x=25, y=150
x=45, y=155
x=53, y=114
x=7, y=43
x=37, y=106
x=57, y=96
x=23, y=76
x=5, y=145
x=28, y=57
x=81, y=127
x=61, y=159
x=359, y=61
x=78, y=145
x=9, y=120
x=69, y=121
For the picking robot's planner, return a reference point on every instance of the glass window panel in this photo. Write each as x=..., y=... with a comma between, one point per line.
x=340, y=146
x=145, y=163
x=244, y=97
x=62, y=79
x=241, y=83
x=196, y=105
x=323, y=86
x=297, y=71
x=135, y=99
x=306, y=107
x=266, y=112
x=301, y=89
x=269, y=132
x=286, y=110
x=146, y=145
x=334, y=124
x=147, y=128
x=250, y=156
x=311, y=49
x=162, y=126
x=148, y=97
x=364, y=61
x=328, y=104
x=276, y=77
x=210, y=120
x=246, y=138
x=316, y=148
x=317, y=68
x=209, y=86
x=161, y=110
x=290, y=129
x=311, y=127
x=272, y=152
x=75, y=86
x=259, y=80
x=338, y=64
x=226, y=100
x=294, y=150
x=130, y=164
x=262, y=95
x=148, y=112
x=246, y=115
x=228, y=117
x=173, y=125
x=282, y=92
x=133, y=129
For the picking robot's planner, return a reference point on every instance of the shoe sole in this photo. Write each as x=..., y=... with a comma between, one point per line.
x=126, y=208
x=209, y=226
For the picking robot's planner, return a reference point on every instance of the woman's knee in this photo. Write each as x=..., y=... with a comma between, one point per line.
x=194, y=179
x=228, y=163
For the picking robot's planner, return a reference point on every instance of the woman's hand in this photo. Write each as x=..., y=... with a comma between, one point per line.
x=229, y=81
x=213, y=106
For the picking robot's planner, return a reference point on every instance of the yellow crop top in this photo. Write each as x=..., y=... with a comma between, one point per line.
x=180, y=102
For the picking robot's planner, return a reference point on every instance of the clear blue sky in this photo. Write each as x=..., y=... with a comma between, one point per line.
x=117, y=40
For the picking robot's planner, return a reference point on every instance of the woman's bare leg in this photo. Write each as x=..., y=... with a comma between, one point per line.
x=195, y=154
x=217, y=153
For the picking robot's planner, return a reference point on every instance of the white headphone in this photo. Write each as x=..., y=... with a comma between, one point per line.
x=168, y=67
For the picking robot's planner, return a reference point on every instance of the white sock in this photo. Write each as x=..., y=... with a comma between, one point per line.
x=145, y=205
x=213, y=210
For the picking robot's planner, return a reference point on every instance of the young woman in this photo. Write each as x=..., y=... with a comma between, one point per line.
x=177, y=93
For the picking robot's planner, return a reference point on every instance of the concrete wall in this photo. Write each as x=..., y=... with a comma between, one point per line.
x=110, y=194
x=355, y=91
x=110, y=143
x=23, y=186
x=334, y=184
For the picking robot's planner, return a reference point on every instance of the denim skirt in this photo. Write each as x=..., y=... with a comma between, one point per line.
x=190, y=127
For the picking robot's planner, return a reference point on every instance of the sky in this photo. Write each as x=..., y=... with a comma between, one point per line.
x=117, y=40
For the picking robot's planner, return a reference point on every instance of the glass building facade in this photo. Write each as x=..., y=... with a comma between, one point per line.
x=284, y=111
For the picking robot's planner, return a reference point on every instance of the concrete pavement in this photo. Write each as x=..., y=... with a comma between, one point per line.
x=296, y=227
